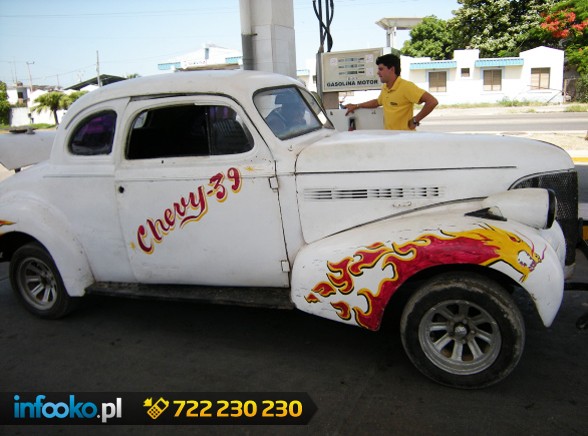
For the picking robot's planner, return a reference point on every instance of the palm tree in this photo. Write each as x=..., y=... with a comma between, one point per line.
x=52, y=101
x=68, y=99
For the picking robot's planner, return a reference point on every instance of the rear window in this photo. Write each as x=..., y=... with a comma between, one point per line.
x=94, y=135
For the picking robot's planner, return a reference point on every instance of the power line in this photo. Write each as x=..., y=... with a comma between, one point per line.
x=168, y=12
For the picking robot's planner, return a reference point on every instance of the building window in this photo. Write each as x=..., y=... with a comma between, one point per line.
x=465, y=72
x=438, y=81
x=540, y=78
x=492, y=80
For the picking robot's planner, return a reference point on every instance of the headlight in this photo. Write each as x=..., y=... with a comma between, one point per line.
x=534, y=207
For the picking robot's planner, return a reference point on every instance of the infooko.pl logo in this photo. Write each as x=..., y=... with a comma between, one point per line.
x=60, y=409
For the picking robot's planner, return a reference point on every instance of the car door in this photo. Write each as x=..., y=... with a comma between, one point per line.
x=196, y=195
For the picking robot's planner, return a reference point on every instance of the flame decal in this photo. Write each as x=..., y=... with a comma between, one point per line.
x=311, y=298
x=484, y=246
x=343, y=309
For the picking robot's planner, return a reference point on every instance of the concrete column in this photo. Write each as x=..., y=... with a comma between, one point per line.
x=270, y=26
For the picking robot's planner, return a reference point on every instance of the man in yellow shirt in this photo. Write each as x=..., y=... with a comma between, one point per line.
x=397, y=97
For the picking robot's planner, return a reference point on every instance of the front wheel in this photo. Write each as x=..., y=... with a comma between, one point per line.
x=463, y=330
x=38, y=284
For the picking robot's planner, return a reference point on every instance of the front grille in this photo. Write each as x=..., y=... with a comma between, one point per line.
x=565, y=186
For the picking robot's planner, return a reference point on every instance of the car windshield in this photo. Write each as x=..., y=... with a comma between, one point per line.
x=290, y=111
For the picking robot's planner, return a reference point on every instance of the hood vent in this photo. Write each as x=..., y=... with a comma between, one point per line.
x=314, y=194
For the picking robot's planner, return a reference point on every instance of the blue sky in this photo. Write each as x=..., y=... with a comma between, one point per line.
x=58, y=40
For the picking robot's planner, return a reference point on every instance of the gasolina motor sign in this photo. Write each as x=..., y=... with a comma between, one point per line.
x=350, y=70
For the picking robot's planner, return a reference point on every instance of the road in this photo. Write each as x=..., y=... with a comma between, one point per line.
x=361, y=382
x=453, y=121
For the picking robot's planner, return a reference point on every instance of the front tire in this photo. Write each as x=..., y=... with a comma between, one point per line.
x=463, y=330
x=37, y=283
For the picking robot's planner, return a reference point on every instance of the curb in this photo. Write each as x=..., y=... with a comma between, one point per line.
x=579, y=156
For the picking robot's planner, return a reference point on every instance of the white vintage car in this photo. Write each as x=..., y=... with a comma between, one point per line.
x=233, y=187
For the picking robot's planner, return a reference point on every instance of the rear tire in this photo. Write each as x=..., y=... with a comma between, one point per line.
x=463, y=331
x=37, y=283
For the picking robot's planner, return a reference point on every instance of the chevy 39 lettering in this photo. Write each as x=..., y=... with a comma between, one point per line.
x=233, y=187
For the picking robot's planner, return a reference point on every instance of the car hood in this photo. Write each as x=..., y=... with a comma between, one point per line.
x=375, y=150
x=353, y=178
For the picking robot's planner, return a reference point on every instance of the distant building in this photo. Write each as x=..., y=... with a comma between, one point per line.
x=536, y=75
x=18, y=94
x=209, y=57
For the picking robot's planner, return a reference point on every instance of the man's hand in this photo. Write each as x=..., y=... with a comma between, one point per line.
x=413, y=123
x=351, y=108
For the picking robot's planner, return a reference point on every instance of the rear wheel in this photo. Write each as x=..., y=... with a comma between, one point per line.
x=463, y=330
x=37, y=283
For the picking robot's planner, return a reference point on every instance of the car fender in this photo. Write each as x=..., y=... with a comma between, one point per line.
x=46, y=224
x=351, y=276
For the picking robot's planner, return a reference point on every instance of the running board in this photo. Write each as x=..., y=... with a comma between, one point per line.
x=274, y=298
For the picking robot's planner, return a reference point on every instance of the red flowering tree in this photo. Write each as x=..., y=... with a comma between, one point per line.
x=564, y=24
x=567, y=24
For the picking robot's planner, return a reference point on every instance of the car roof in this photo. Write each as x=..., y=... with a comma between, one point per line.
x=240, y=84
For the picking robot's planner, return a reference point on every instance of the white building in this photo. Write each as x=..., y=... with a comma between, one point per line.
x=536, y=75
x=209, y=56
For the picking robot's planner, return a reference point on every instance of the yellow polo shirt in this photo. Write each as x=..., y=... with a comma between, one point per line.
x=398, y=103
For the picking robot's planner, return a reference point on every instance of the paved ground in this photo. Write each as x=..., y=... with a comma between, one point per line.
x=361, y=382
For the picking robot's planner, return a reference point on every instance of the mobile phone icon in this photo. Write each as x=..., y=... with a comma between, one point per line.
x=158, y=408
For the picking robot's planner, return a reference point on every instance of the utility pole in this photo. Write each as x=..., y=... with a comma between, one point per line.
x=14, y=72
x=98, y=69
x=29, y=97
x=30, y=78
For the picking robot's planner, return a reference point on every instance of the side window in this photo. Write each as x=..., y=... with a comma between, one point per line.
x=187, y=130
x=94, y=135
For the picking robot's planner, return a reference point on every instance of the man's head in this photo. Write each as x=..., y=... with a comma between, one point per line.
x=388, y=67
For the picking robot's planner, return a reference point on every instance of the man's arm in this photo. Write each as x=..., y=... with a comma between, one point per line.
x=430, y=104
x=372, y=104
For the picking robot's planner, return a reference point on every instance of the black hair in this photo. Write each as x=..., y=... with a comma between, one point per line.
x=390, y=60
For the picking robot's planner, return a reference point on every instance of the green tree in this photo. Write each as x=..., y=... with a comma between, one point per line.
x=52, y=101
x=68, y=99
x=431, y=38
x=4, y=105
x=498, y=27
